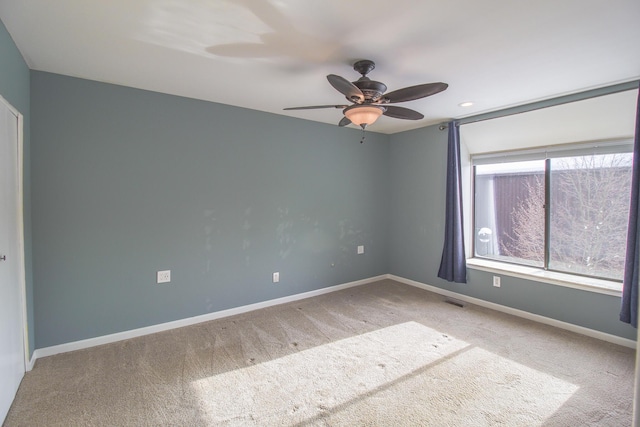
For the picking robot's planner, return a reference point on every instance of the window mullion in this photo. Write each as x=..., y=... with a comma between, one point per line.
x=547, y=213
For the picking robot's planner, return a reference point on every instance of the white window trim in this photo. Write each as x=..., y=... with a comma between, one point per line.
x=601, y=286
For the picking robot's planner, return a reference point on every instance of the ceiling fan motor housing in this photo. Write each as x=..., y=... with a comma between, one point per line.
x=371, y=89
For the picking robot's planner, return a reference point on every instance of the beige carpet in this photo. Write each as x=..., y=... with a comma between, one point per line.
x=383, y=354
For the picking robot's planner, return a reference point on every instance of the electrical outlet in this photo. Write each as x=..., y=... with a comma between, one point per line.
x=276, y=277
x=163, y=276
x=360, y=249
x=496, y=281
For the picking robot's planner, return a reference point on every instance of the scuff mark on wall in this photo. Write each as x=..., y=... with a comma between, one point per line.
x=246, y=241
x=284, y=233
x=210, y=230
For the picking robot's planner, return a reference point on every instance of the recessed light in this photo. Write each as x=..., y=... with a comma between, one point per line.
x=466, y=104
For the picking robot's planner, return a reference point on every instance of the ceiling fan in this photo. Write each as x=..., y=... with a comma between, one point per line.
x=369, y=100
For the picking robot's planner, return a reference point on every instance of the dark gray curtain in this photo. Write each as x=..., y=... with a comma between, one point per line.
x=453, y=265
x=629, y=311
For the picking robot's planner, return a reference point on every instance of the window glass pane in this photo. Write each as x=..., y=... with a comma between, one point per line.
x=589, y=214
x=509, y=212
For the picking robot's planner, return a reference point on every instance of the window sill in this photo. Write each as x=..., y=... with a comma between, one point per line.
x=554, y=278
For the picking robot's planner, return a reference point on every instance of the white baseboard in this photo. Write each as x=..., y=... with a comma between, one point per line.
x=520, y=313
x=31, y=362
x=106, y=339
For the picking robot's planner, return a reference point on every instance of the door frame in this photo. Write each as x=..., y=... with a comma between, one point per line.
x=21, y=254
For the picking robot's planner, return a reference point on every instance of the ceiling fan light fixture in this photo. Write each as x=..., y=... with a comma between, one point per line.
x=363, y=114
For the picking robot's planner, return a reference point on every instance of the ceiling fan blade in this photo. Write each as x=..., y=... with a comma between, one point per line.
x=402, y=113
x=415, y=92
x=345, y=121
x=345, y=87
x=313, y=107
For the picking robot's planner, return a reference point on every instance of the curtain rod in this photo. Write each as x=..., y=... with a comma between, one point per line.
x=593, y=93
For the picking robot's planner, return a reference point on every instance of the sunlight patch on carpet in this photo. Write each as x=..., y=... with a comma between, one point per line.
x=402, y=372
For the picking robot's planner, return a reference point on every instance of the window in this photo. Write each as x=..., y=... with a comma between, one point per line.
x=562, y=209
x=546, y=189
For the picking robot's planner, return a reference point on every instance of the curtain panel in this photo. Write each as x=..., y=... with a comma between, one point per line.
x=453, y=265
x=629, y=310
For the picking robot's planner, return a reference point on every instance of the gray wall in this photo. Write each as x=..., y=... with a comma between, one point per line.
x=418, y=173
x=127, y=182
x=14, y=87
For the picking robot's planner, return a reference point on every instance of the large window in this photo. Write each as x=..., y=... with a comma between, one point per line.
x=563, y=209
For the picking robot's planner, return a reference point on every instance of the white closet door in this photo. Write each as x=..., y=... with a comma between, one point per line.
x=12, y=349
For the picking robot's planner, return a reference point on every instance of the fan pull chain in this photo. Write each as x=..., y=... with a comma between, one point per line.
x=363, y=136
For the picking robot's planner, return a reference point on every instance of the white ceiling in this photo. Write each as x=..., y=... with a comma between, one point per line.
x=271, y=54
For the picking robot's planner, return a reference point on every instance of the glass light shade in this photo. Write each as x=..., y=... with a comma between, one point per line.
x=363, y=114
